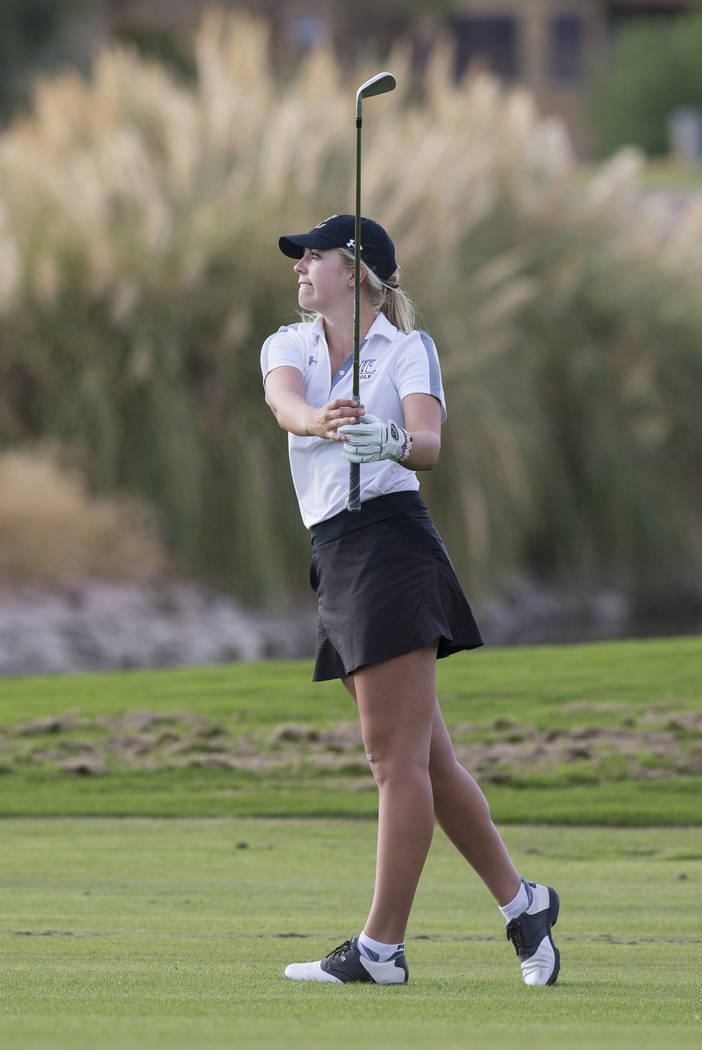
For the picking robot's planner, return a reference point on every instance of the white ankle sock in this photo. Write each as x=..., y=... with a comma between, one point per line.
x=518, y=904
x=380, y=952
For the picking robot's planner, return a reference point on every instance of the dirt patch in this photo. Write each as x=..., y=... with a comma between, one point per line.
x=652, y=742
x=611, y=753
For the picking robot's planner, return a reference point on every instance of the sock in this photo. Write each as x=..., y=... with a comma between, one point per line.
x=377, y=950
x=518, y=904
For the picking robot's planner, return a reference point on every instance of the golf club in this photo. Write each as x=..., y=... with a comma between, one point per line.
x=377, y=85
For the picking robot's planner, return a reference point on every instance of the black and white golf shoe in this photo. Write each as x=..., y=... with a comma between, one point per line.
x=530, y=934
x=346, y=963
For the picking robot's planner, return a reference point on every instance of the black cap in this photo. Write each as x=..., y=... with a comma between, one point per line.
x=338, y=231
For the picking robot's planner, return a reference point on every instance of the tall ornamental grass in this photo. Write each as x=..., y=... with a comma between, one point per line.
x=139, y=275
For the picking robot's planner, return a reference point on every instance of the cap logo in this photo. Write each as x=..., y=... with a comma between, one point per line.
x=324, y=222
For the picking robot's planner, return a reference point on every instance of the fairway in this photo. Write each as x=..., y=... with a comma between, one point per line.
x=171, y=840
x=173, y=934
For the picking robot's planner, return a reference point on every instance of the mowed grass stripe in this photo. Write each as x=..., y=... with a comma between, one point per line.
x=171, y=934
x=489, y=681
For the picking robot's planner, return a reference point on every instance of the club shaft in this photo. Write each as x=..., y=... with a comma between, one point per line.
x=354, y=497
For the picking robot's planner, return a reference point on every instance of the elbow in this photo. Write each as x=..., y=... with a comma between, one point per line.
x=433, y=450
x=425, y=453
x=276, y=415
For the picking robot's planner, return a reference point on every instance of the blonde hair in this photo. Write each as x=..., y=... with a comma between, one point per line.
x=386, y=296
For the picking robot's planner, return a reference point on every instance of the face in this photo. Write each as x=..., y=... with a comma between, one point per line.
x=323, y=281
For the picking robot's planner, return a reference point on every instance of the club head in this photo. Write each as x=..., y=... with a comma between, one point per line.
x=377, y=85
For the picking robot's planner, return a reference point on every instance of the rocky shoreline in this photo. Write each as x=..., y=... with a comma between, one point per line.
x=102, y=626
x=99, y=626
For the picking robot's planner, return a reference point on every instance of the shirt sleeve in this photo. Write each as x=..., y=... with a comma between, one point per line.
x=417, y=369
x=284, y=347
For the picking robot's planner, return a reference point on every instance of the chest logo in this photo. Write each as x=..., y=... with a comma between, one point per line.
x=367, y=369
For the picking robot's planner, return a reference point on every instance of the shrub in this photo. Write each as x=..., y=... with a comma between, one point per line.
x=654, y=70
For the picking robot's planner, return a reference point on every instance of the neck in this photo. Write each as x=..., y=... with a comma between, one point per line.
x=339, y=332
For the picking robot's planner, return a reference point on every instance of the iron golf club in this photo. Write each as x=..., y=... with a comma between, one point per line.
x=377, y=85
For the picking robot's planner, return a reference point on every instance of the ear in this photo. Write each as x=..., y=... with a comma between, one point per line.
x=362, y=274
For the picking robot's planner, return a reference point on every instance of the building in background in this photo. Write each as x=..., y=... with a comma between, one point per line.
x=553, y=47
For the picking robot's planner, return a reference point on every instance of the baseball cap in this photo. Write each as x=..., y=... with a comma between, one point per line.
x=338, y=231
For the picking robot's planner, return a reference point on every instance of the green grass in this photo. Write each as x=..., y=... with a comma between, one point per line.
x=172, y=934
x=122, y=930
x=633, y=688
x=527, y=683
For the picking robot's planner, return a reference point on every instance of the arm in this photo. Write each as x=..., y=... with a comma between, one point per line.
x=285, y=394
x=423, y=421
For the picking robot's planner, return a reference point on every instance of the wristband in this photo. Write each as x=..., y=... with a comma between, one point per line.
x=406, y=448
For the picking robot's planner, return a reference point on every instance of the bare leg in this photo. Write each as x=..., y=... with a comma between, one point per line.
x=462, y=812
x=396, y=701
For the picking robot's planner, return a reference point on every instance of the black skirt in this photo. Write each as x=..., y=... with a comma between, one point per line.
x=385, y=586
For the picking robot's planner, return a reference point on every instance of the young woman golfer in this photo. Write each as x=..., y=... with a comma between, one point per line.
x=389, y=600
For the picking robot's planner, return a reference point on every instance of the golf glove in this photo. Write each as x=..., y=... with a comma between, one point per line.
x=371, y=439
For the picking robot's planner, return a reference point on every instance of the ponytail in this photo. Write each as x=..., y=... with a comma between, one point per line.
x=387, y=297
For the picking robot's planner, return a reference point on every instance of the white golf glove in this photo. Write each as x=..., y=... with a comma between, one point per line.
x=371, y=439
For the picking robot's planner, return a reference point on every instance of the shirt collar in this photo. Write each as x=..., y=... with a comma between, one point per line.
x=318, y=329
x=380, y=327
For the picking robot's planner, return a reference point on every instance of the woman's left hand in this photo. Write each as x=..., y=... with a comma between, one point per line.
x=372, y=439
x=414, y=446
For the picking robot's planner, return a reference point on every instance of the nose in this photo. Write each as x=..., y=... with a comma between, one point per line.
x=299, y=265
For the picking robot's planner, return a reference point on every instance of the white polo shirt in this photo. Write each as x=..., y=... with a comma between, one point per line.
x=393, y=364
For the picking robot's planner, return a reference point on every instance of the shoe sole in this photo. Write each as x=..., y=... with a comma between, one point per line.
x=554, y=906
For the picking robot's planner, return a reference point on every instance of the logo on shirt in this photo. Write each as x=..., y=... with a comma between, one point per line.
x=367, y=369
x=312, y=360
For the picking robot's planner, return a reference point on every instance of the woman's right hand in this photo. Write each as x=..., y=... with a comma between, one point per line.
x=285, y=394
x=325, y=421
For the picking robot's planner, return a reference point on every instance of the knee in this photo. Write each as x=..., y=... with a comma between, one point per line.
x=388, y=765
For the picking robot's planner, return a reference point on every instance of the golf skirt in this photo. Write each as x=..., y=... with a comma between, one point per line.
x=385, y=586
